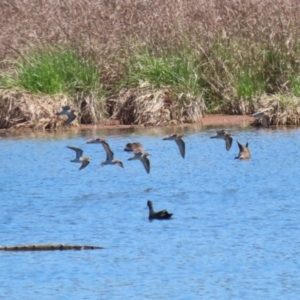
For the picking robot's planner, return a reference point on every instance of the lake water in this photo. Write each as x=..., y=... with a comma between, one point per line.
x=234, y=233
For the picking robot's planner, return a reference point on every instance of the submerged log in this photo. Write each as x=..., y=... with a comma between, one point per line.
x=48, y=247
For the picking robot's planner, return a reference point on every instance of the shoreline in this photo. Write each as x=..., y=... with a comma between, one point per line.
x=208, y=120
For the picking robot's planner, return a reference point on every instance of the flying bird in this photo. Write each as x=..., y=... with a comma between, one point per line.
x=67, y=111
x=135, y=147
x=261, y=118
x=79, y=158
x=110, y=160
x=180, y=143
x=222, y=134
x=142, y=156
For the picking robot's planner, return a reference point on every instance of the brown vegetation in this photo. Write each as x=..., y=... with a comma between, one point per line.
x=279, y=110
x=149, y=106
x=112, y=30
x=109, y=27
x=21, y=110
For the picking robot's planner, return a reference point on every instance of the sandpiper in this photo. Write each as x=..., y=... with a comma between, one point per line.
x=160, y=215
x=109, y=154
x=142, y=156
x=135, y=147
x=177, y=138
x=244, y=152
x=261, y=117
x=222, y=134
x=67, y=111
x=79, y=158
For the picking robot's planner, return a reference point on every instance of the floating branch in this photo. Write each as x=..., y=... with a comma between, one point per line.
x=48, y=247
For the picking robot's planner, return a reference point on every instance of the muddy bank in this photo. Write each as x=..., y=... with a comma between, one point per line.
x=227, y=120
x=208, y=120
x=133, y=108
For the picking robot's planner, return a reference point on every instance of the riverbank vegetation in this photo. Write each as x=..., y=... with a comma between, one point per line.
x=149, y=62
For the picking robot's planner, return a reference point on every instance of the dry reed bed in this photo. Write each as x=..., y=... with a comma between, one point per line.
x=107, y=28
x=280, y=109
x=20, y=109
x=113, y=30
x=149, y=106
x=139, y=106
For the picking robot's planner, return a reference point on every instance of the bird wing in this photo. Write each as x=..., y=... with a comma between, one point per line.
x=109, y=153
x=181, y=146
x=163, y=214
x=71, y=118
x=220, y=134
x=119, y=163
x=228, y=141
x=78, y=151
x=64, y=111
x=145, y=161
x=170, y=137
x=241, y=147
x=84, y=164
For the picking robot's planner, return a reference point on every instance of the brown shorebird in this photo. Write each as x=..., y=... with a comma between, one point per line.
x=177, y=138
x=244, y=152
x=67, y=111
x=79, y=158
x=142, y=156
x=222, y=134
x=160, y=215
x=110, y=160
x=262, y=117
x=135, y=147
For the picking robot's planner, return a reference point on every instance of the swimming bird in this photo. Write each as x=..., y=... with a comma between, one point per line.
x=222, y=134
x=180, y=143
x=160, y=215
x=67, y=111
x=79, y=158
x=110, y=160
x=135, y=147
x=244, y=152
x=142, y=156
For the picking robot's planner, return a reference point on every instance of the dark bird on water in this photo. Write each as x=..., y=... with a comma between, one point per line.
x=160, y=215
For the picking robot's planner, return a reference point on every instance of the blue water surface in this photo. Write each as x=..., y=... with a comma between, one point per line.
x=234, y=233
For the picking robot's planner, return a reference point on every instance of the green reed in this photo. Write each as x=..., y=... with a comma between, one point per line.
x=54, y=70
x=182, y=72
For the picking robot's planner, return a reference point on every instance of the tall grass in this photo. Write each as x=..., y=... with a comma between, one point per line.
x=182, y=72
x=227, y=51
x=55, y=70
